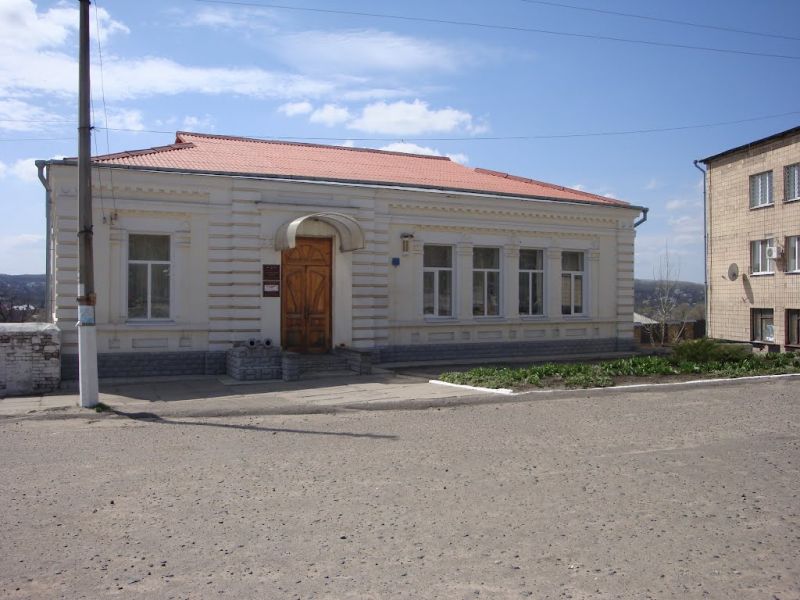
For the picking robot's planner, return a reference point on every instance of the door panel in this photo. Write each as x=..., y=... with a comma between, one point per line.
x=306, y=296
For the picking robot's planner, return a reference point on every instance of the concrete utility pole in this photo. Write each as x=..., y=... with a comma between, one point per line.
x=87, y=334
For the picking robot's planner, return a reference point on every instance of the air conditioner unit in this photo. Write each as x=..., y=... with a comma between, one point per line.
x=774, y=252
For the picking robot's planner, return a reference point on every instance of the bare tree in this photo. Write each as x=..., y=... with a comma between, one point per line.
x=667, y=307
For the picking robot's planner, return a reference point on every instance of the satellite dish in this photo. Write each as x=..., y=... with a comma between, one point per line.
x=733, y=272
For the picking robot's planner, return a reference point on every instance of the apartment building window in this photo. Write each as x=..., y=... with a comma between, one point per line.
x=148, y=276
x=531, y=282
x=437, y=280
x=791, y=182
x=793, y=327
x=761, y=189
x=572, y=275
x=759, y=263
x=793, y=254
x=763, y=325
x=485, y=282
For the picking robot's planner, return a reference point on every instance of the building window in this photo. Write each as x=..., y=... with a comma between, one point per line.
x=791, y=182
x=761, y=189
x=763, y=325
x=437, y=281
x=759, y=263
x=572, y=283
x=485, y=282
x=148, y=276
x=531, y=282
x=793, y=254
x=793, y=327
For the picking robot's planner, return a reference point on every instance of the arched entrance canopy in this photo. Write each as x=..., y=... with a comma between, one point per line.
x=351, y=236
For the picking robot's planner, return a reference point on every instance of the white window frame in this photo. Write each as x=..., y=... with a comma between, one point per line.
x=484, y=272
x=761, y=189
x=764, y=265
x=573, y=275
x=531, y=273
x=149, y=263
x=436, y=278
x=791, y=184
x=793, y=254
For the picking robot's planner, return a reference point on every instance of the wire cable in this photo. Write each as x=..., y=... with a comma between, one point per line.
x=607, y=38
x=662, y=20
x=503, y=137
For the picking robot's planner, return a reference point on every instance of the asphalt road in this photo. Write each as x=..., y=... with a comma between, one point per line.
x=691, y=493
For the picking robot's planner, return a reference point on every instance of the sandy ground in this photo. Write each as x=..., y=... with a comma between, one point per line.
x=685, y=493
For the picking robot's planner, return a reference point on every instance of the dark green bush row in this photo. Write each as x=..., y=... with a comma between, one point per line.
x=696, y=357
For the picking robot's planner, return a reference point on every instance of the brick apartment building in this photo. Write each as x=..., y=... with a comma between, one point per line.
x=753, y=242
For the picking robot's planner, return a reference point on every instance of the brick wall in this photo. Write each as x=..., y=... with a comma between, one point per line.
x=30, y=358
x=732, y=225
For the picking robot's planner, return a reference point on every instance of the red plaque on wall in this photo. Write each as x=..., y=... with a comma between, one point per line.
x=271, y=281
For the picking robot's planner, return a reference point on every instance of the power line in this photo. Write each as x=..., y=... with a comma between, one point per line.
x=501, y=27
x=501, y=137
x=465, y=138
x=662, y=20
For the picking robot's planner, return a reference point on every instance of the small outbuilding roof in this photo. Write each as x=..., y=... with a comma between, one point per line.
x=229, y=155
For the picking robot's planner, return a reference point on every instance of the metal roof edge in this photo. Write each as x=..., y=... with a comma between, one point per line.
x=354, y=182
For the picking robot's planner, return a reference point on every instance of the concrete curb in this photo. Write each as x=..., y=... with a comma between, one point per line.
x=163, y=411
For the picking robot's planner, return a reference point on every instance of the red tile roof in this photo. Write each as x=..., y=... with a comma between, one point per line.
x=237, y=155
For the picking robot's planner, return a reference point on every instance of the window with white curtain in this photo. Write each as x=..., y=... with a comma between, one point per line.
x=437, y=280
x=761, y=189
x=531, y=282
x=572, y=283
x=759, y=263
x=485, y=282
x=791, y=182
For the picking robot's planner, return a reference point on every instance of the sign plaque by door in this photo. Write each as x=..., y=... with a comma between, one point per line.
x=271, y=281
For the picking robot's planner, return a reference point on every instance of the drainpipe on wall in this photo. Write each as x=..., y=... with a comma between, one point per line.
x=48, y=287
x=642, y=219
x=705, y=241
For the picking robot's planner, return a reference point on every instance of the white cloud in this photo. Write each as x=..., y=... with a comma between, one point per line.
x=424, y=150
x=410, y=118
x=363, y=51
x=609, y=195
x=291, y=109
x=25, y=170
x=130, y=119
x=218, y=17
x=349, y=144
x=579, y=186
x=652, y=184
x=17, y=115
x=192, y=123
x=330, y=115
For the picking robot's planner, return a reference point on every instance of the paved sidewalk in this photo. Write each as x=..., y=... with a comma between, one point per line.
x=206, y=396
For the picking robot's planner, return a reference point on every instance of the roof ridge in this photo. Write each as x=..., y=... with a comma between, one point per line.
x=240, y=138
x=145, y=151
x=554, y=186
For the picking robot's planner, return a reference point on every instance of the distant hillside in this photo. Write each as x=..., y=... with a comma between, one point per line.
x=23, y=289
x=689, y=294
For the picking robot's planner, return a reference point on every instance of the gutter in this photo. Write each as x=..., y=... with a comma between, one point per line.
x=706, y=253
x=48, y=286
x=351, y=182
x=643, y=218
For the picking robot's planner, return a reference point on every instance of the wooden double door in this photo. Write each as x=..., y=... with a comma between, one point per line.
x=306, y=296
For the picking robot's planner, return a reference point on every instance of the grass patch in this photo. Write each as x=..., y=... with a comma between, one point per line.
x=701, y=357
x=100, y=407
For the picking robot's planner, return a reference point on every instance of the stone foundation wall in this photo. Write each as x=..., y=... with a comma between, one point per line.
x=30, y=358
x=251, y=363
x=500, y=351
x=149, y=364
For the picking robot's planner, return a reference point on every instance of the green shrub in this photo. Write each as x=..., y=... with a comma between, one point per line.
x=705, y=350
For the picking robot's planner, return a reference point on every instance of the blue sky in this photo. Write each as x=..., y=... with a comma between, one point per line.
x=410, y=85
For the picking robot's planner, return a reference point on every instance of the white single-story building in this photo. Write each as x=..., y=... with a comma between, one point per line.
x=217, y=241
